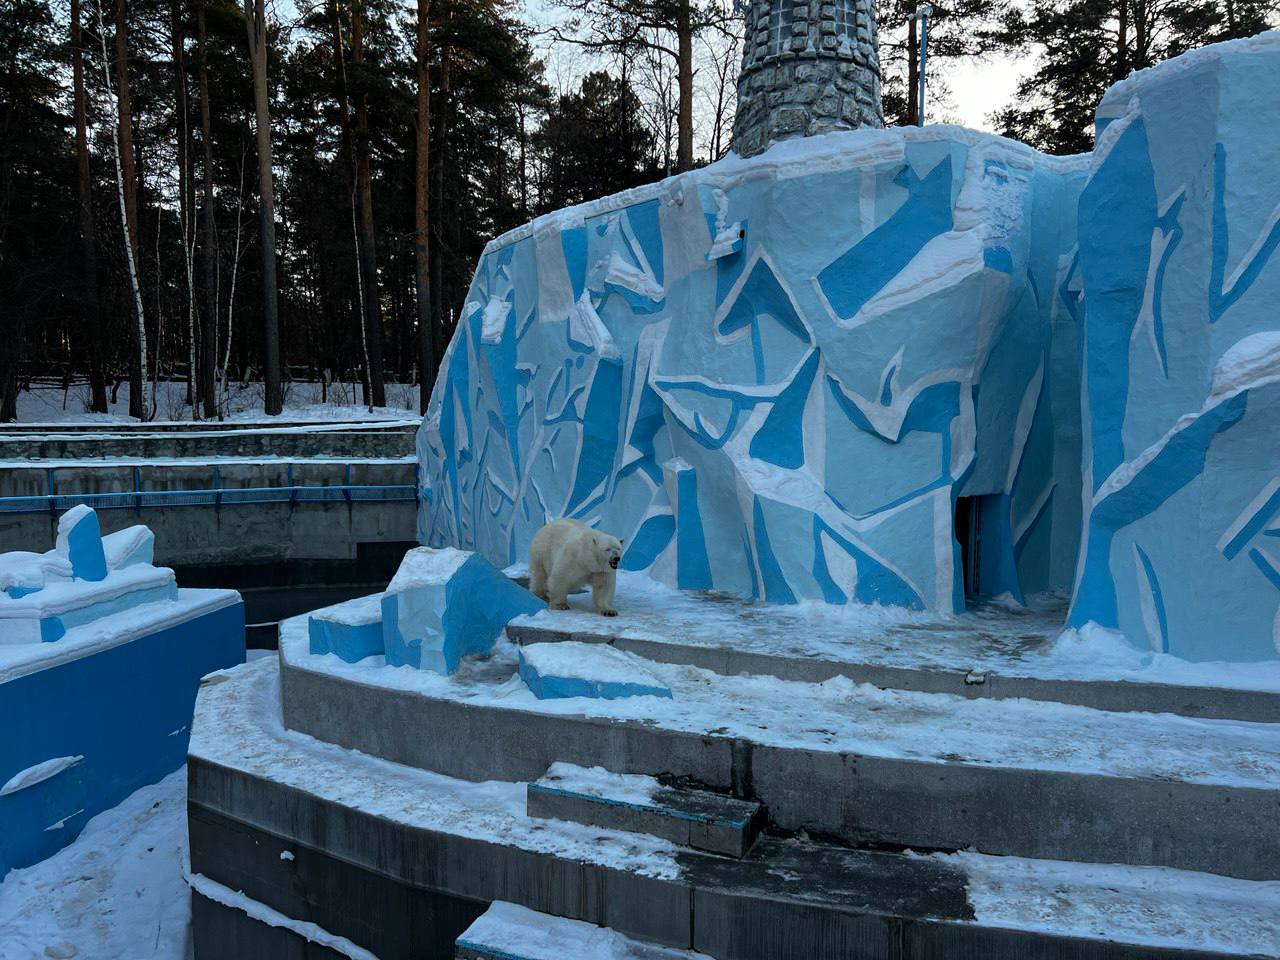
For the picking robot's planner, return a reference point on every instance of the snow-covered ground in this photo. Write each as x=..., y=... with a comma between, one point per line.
x=860, y=719
x=49, y=404
x=1000, y=638
x=117, y=893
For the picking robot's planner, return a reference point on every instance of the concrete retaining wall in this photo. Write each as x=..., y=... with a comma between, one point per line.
x=231, y=533
x=859, y=799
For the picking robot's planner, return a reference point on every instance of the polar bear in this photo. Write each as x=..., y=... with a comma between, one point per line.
x=567, y=554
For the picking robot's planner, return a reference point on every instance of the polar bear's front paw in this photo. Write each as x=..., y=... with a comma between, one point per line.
x=610, y=612
x=559, y=605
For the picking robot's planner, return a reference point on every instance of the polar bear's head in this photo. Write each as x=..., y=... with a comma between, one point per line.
x=607, y=550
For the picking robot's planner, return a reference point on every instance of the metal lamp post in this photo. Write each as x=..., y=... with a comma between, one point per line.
x=922, y=14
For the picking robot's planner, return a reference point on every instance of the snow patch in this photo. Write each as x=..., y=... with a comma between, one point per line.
x=633, y=788
x=594, y=662
x=424, y=565
x=510, y=930
x=1098, y=652
x=1248, y=363
x=117, y=891
x=630, y=277
x=359, y=612
x=1152, y=906
x=586, y=328
x=212, y=890
x=38, y=773
x=494, y=321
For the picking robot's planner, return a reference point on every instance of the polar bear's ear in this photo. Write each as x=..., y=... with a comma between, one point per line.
x=595, y=540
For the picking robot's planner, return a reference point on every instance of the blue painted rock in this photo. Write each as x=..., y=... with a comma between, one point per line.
x=572, y=669
x=351, y=630
x=444, y=604
x=80, y=541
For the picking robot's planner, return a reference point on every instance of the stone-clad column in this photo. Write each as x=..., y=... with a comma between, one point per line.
x=808, y=67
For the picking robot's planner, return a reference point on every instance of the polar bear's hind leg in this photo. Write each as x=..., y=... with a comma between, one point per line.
x=538, y=578
x=558, y=587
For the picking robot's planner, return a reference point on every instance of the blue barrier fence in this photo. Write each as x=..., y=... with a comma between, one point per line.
x=216, y=495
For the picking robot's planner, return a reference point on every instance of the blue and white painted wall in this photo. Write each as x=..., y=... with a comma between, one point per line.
x=101, y=655
x=1179, y=228
x=774, y=377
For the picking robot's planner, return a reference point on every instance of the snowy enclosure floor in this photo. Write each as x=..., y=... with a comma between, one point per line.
x=841, y=716
x=116, y=892
x=20, y=659
x=998, y=638
x=50, y=404
x=238, y=726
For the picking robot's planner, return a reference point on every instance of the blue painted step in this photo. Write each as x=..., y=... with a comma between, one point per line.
x=569, y=669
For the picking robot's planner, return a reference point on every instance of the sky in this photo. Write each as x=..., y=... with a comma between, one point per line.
x=977, y=88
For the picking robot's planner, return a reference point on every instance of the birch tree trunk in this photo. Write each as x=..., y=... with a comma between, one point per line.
x=91, y=319
x=122, y=154
x=422, y=199
x=437, y=248
x=256, y=24
x=178, y=44
x=209, y=244
x=368, y=239
x=127, y=188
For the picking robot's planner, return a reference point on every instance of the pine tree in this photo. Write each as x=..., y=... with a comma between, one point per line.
x=1087, y=45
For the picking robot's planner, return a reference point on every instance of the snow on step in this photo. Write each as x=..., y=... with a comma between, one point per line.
x=995, y=651
x=351, y=630
x=641, y=804
x=507, y=931
x=556, y=670
x=1154, y=906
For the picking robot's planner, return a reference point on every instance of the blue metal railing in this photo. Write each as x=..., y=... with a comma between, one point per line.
x=216, y=495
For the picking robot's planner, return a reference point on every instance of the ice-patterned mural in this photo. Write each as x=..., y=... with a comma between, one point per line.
x=1179, y=227
x=777, y=377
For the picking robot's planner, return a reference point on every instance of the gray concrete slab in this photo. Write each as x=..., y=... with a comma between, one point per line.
x=1048, y=814
x=692, y=818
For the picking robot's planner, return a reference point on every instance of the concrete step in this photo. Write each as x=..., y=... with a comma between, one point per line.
x=992, y=652
x=692, y=818
x=401, y=862
x=508, y=931
x=854, y=763
x=393, y=439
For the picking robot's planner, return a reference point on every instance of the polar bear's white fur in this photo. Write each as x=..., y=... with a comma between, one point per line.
x=566, y=555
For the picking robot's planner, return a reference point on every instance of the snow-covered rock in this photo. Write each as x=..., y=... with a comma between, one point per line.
x=444, y=604
x=894, y=330
x=1179, y=229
